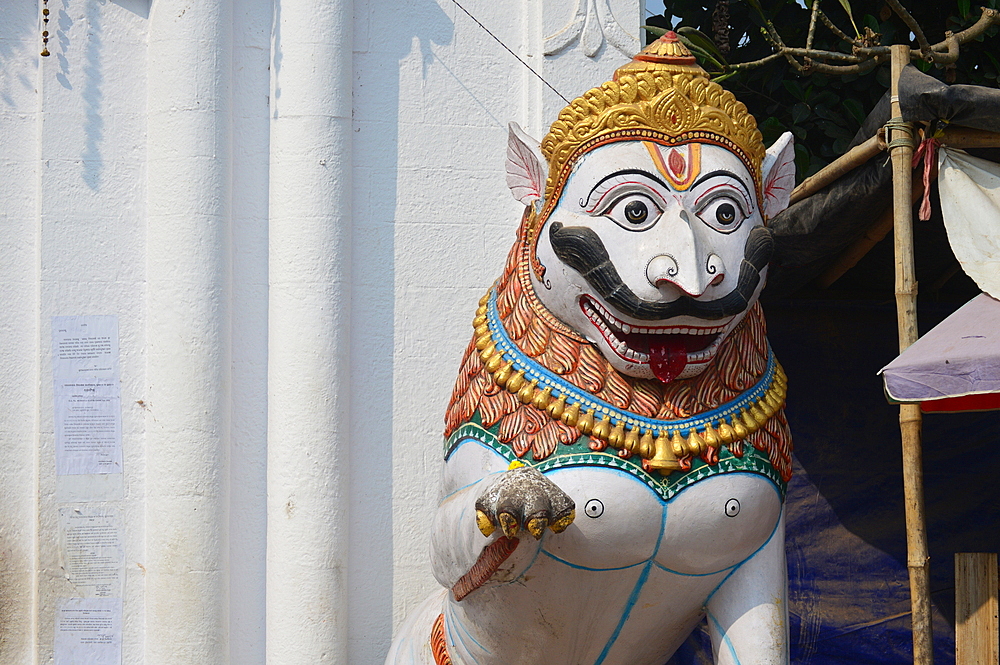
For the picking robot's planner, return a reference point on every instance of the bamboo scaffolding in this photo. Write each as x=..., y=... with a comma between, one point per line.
x=965, y=137
x=846, y=163
x=917, y=559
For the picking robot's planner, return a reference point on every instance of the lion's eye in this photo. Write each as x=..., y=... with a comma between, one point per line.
x=723, y=213
x=635, y=212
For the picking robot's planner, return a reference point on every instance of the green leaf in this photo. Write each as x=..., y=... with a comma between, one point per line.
x=723, y=77
x=802, y=160
x=656, y=31
x=850, y=14
x=826, y=98
x=704, y=56
x=771, y=129
x=854, y=107
x=963, y=8
x=800, y=112
x=756, y=5
x=702, y=40
x=827, y=113
x=795, y=89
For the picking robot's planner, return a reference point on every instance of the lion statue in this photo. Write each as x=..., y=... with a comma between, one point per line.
x=616, y=450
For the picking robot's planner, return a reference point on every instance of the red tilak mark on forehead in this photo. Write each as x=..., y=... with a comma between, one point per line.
x=681, y=166
x=677, y=163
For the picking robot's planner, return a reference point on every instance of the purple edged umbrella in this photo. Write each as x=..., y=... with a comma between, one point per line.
x=955, y=366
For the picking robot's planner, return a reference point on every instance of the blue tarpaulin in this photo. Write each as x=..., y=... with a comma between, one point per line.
x=846, y=538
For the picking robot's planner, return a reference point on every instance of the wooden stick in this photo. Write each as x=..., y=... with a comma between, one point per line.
x=965, y=137
x=976, y=624
x=849, y=161
x=917, y=558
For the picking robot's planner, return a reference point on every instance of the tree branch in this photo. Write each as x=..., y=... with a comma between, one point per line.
x=843, y=70
x=946, y=51
x=835, y=30
x=757, y=63
x=987, y=19
x=863, y=58
x=812, y=29
x=822, y=55
x=772, y=35
x=911, y=23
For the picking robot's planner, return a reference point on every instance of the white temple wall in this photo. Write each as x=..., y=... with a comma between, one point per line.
x=292, y=208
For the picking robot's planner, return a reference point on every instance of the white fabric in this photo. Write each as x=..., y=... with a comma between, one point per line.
x=970, y=204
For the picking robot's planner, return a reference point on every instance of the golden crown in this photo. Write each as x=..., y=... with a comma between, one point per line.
x=662, y=95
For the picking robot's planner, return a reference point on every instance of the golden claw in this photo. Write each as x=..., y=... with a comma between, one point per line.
x=509, y=525
x=563, y=523
x=536, y=526
x=484, y=523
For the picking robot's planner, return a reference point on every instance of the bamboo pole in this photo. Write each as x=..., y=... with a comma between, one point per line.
x=976, y=621
x=849, y=161
x=955, y=137
x=917, y=559
x=966, y=137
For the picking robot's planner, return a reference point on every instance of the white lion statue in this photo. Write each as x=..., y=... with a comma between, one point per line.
x=616, y=450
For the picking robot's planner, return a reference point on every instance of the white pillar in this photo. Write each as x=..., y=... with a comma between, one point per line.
x=188, y=336
x=21, y=375
x=308, y=338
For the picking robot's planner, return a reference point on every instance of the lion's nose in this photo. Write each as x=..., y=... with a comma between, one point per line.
x=664, y=269
x=661, y=269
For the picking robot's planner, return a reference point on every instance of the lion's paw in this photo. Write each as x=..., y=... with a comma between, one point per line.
x=522, y=498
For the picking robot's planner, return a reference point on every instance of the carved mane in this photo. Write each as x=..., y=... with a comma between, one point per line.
x=741, y=361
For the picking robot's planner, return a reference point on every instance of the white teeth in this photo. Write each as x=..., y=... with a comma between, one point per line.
x=612, y=328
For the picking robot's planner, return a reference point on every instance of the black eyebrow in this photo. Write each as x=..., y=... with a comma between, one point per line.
x=626, y=172
x=724, y=173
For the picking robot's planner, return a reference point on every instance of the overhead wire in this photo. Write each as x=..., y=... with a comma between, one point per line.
x=500, y=42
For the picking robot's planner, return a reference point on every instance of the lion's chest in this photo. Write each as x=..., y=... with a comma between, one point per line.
x=633, y=569
x=710, y=526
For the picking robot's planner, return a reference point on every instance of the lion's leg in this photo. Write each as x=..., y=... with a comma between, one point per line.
x=412, y=643
x=748, y=613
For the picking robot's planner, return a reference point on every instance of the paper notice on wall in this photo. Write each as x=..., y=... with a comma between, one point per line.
x=87, y=394
x=92, y=549
x=89, y=631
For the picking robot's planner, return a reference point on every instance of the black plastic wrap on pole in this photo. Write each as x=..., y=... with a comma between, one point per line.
x=924, y=98
x=810, y=234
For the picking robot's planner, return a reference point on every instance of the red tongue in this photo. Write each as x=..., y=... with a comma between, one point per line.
x=667, y=358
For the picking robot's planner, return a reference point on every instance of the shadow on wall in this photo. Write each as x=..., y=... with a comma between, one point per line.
x=93, y=94
x=384, y=37
x=138, y=7
x=20, y=41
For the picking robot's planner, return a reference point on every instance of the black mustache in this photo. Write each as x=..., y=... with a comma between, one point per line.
x=581, y=248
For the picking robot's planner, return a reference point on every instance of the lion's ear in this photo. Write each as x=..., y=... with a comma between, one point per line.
x=525, y=166
x=779, y=174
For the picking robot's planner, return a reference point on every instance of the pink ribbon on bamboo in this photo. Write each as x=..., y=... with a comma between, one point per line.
x=927, y=151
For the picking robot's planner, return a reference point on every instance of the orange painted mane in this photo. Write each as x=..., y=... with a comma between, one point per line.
x=741, y=361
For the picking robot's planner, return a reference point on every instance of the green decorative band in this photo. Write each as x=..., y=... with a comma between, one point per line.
x=579, y=454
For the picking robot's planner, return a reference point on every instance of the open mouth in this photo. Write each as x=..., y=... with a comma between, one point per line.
x=667, y=349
